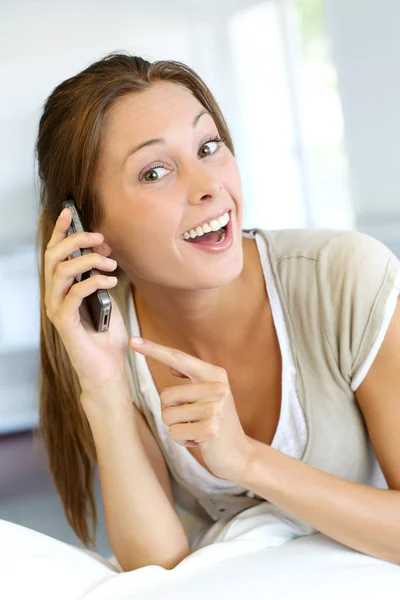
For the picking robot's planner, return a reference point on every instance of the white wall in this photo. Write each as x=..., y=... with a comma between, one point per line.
x=365, y=36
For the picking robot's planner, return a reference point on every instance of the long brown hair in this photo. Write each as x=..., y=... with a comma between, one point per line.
x=67, y=149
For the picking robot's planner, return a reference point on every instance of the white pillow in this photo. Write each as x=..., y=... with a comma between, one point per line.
x=34, y=565
x=263, y=552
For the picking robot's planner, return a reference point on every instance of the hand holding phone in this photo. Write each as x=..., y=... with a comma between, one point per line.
x=79, y=306
x=99, y=302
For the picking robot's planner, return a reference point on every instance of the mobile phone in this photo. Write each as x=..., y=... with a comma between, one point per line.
x=99, y=303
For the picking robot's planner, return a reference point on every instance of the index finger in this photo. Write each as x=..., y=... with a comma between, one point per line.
x=61, y=227
x=196, y=369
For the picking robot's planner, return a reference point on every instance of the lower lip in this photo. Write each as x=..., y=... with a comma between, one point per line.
x=217, y=248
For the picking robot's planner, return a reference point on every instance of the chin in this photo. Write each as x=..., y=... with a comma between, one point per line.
x=215, y=278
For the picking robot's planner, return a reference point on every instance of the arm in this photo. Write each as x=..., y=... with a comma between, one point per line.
x=364, y=518
x=141, y=520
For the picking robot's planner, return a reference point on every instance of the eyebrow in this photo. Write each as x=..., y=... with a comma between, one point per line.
x=154, y=141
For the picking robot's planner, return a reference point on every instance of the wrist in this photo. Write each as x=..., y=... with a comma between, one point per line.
x=243, y=465
x=105, y=396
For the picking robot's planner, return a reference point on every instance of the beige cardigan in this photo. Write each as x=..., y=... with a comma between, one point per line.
x=333, y=286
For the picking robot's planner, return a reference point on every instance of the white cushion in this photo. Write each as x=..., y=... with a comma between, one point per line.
x=263, y=551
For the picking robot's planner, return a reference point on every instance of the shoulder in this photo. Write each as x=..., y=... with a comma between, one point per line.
x=353, y=251
x=338, y=252
x=356, y=268
x=298, y=243
x=342, y=278
x=314, y=243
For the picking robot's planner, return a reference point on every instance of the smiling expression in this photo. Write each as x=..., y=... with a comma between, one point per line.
x=163, y=169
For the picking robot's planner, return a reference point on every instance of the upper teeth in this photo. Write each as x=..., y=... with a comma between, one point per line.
x=213, y=225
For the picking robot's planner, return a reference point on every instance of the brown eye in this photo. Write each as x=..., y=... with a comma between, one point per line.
x=215, y=140
x=152, y=173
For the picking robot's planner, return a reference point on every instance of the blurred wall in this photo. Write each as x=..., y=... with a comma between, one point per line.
x=365, y=41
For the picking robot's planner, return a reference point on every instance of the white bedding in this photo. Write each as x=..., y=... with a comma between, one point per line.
x=262, y=551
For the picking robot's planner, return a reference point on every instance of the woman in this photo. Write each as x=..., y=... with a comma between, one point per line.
x=270, y=361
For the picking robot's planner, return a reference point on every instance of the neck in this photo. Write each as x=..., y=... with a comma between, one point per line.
x=207, y=324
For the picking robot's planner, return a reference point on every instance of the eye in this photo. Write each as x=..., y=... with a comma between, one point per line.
x=152, y=170
x=143, y=177
x=216, y=140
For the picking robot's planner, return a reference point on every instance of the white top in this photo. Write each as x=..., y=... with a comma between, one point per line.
x=291, y=434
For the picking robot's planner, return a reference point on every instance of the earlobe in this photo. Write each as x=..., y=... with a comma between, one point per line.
x=104, y=249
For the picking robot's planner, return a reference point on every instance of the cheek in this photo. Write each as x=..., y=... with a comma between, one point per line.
x=136, y=218
x=232, y=179
x=140, y=241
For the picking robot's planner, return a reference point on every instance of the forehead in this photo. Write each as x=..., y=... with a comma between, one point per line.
x=151, y=113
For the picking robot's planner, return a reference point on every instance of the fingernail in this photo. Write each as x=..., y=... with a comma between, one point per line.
x=62, y=213
x=136, y=340
x=109, y=261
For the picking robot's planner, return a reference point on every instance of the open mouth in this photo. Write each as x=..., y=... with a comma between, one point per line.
x=216, y=242
x=213, y=237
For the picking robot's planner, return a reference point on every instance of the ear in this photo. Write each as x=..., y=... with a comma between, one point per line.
x=104, y=249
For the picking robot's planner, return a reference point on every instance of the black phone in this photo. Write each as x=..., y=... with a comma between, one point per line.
x=99, y=303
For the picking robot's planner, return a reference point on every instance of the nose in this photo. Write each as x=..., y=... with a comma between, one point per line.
x=202, y=184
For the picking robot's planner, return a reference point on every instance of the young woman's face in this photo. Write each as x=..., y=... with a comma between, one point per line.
x=155, y=194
